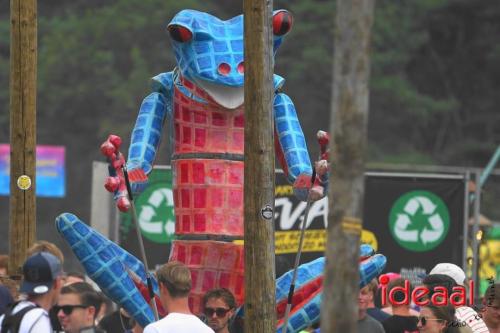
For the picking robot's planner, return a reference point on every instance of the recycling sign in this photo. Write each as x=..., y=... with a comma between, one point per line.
x=419, y=221
x=155, y=212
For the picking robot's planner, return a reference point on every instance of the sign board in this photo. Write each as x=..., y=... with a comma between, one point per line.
x=417, y=219
x=50, y=171
x=155, y=214
x=414, y=221
x=288, y=219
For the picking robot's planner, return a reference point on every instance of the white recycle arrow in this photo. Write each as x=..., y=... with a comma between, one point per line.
x=427, y=205
x=400, y=231
x=157, y=197
x=170, y=227
x=412, y=205
x=432, y=235
x=147, y=213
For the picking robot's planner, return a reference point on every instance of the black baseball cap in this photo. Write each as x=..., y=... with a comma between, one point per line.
x=39, y=272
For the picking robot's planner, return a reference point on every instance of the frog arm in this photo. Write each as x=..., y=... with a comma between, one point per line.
x=147, y=131
x=290, y=143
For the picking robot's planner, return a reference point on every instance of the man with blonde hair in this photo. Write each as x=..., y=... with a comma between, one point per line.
x=45, y=246
x=174, y=281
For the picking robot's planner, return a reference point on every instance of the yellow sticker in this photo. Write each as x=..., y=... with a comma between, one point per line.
x=351, y=225
x=24, y=182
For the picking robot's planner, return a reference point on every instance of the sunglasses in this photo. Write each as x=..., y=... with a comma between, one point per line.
x=219, y=312
x=68, y=309
x=424, y=320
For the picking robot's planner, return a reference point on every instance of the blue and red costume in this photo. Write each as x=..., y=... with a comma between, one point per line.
x=201, y=105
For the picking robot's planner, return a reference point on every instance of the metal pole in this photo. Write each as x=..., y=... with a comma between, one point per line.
x=297, y=260
x=466, y=219
x=475, y=229
x=489, y=167
x=141, y=243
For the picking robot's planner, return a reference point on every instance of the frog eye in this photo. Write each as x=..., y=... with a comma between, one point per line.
x=179, y=33
x=282, y=22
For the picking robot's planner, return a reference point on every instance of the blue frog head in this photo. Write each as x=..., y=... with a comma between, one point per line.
x=211, y=50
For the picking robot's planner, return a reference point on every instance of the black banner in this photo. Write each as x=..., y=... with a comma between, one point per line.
x=418, y=220
x=288, y=217
x=155, y=216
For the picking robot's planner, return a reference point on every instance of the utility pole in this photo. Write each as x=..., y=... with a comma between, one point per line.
x=349, y=114
x=260, y=303
x=23, y=73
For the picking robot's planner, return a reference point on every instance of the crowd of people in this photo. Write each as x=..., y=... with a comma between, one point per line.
x=50, y=300
x=403, y=316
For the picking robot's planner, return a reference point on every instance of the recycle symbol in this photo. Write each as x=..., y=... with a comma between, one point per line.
x=419, y=221
x=156, y=213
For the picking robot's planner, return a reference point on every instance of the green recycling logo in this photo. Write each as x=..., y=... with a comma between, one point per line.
x=156, y=213
x=419, y=221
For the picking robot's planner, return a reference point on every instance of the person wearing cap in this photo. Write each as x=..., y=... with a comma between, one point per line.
x=449, y=275
x=42, y=282
x=174, y=281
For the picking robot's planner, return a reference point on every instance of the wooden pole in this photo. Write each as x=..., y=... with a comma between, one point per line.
x=339, y=312
x=23, y=61
x=260, y=303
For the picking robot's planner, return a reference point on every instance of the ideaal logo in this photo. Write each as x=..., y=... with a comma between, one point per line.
x=439, y=297
x=420, y=295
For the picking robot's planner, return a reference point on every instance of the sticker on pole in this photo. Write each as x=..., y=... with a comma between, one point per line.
x=155, y=213
x=419, y=221
x=24, y=182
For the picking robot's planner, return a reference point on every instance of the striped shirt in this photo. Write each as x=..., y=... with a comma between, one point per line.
x=471, y=318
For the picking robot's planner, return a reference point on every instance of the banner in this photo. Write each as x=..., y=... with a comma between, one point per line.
x=416, y=219
x=288, y=219
x=50, y=171
x=155, y=214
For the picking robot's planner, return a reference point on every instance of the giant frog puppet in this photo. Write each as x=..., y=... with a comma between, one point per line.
x=201, y=102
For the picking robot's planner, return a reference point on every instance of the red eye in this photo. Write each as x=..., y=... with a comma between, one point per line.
x=180, y=33
x=224, y=69
x=282, y=22
x=241, y=67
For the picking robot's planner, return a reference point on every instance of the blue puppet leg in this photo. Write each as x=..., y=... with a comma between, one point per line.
x=306, y=303
x=108, y=265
